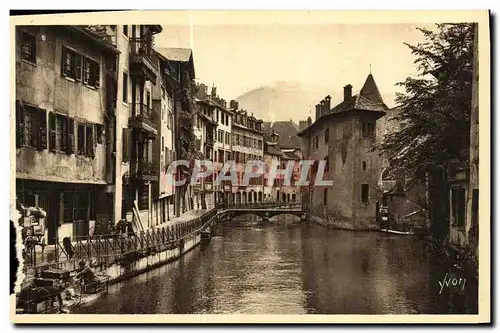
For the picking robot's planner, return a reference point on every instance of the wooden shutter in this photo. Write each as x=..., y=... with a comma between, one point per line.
x=63, y=61
x=70, y=147
x=42, y=139
x=19, y=124
x=78, y=67
x=96, y=73
x=125, y=145
x=99, y=133
x=52, y=130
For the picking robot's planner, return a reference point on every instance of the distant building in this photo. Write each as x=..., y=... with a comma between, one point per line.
x=247, y=145
x=343, y=136
x=65, y=102
x=272, y=156
x=205, y=132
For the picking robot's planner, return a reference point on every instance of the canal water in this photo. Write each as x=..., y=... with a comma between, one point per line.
x=289, y=268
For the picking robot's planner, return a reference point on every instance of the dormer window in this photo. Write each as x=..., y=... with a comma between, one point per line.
x=368, y=129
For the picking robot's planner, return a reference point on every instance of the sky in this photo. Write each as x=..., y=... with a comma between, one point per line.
x=240, y=56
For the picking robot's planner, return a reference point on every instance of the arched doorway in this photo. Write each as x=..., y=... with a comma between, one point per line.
x=283, y=198
x=255, y=197
x=288, y=197
x=238, y=198
x=244, y=198
x=250, y=197
x=260, y=196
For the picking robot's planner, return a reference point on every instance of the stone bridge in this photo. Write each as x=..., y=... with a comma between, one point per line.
x=264, y=210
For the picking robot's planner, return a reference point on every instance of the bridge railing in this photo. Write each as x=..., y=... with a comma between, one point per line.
x=262, y=205
x=111, y=247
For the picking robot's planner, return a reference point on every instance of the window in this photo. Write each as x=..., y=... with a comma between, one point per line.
x=125, y=87
x=227, y=120
x=327, y=164
x=68, y=202
x=228, y=138
x=61, y=130
x=325, y=196
x=125, y=30
x=364, y=193
x=458, y=207
x=87, y=137
x=220, y=136
x=217, y=115
x=170, y=120
x=327, y=134
x=71, y=64
x=31, y=126
x=28, y=47
x=364, y=165
x=368, y=130
x=91, y=72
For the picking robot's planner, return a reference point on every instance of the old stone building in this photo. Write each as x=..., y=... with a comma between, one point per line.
x=65, y=94
x=343, y=137
x=181, y=65
x=247, y=145
x=206, y=134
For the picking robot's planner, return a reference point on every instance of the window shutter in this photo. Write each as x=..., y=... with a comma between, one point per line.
x=125, y=145
x=99, y=133
x=78, y=67
x=52, y=130
x=64, y=133
x=70, y=148
x=63, y=61
x=97, y=74
x=94, y=138
x=19, y=124
x=42, y=142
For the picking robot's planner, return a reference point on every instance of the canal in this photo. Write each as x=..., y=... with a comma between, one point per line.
x=287, y=268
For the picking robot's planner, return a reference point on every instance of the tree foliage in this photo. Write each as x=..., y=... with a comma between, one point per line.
x=435, y=107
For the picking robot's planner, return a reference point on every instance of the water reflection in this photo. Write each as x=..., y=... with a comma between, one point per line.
x=284, y=267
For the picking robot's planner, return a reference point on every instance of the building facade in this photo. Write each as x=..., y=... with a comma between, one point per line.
x=343, y=137
x=65, y=78
x=247, y=145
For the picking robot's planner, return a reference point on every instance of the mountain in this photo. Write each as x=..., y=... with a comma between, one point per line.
x=289, y=100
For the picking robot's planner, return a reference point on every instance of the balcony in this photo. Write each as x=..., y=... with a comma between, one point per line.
x=146, y=171
x=144, y=119
x=210, y=141
x=142, y=59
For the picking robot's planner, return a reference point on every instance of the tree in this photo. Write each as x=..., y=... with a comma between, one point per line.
x=435, y=110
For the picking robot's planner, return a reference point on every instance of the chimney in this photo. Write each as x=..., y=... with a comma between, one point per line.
x=233, y=104
x=317, y=111
x=309, y=121
x=214, y=92
x=327, y=104
x=322, y=108
x=347, y=92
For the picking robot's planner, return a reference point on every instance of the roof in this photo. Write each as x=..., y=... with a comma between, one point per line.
x=290, y=156
x=287, y=131
x=271, y=150
x=175, y=53
x=206, y=118
x=368, y=99
x=179, y=55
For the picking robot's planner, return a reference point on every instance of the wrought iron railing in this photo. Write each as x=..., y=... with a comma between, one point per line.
x=141, y=48
x=145, y=113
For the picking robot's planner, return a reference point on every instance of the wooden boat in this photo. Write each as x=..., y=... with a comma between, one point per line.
x=397, y=232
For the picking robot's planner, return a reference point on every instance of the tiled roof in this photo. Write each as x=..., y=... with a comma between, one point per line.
x=368, y=99
x=175, y=53
x=287, y=131
x=272, y=151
